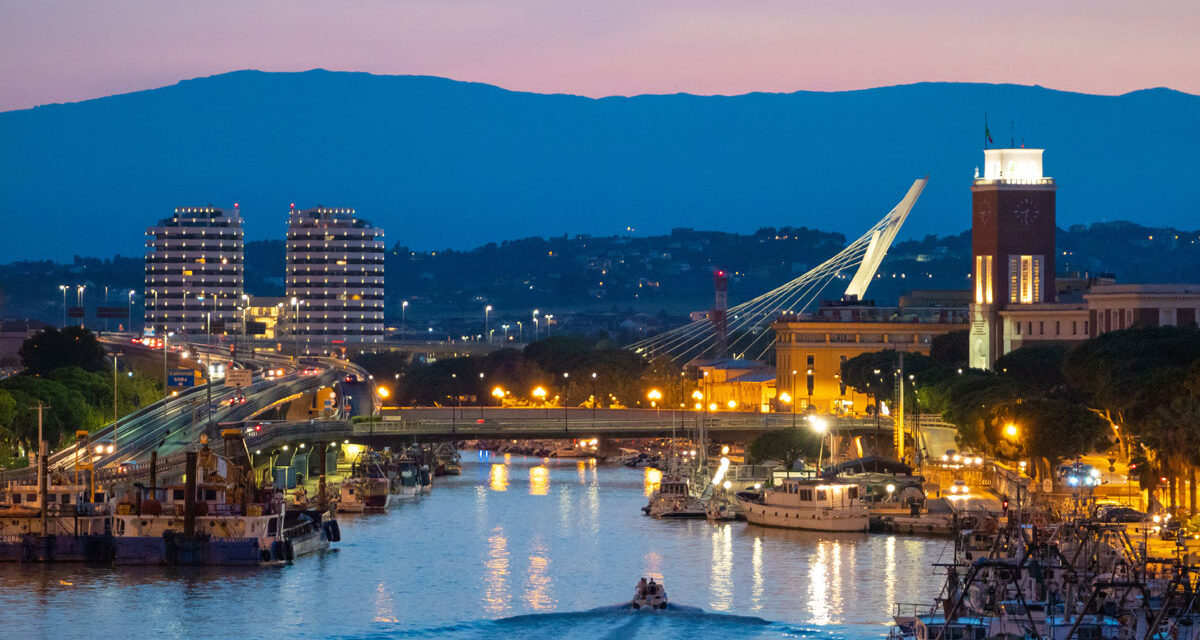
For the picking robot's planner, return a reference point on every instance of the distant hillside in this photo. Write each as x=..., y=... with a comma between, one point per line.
x=441, y=164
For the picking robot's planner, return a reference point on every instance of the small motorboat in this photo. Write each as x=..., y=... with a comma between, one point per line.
x=651, y=596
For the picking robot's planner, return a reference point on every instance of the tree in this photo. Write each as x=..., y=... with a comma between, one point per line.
x=1053, y=430
x=1038, y=366
x=51, y=349
x=950, y=349
x=786, y=445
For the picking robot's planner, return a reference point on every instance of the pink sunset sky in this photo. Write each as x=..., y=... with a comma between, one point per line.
x=57, y=51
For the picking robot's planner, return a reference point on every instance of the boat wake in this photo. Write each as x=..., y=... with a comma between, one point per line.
x=620, y=622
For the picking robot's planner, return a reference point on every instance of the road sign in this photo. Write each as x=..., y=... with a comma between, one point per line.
x=74, y=312
x=112, y=312
x=238, y=378
x=182, y=378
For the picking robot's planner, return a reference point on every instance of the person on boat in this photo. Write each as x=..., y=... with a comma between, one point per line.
x=641, y=587
x=652, y=588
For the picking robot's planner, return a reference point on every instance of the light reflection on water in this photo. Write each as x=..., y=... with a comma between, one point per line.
x=473, y=550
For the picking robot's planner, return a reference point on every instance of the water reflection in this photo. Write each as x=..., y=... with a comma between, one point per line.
x=721, y=583
x=581, y=467
x=496, y=597
x=818, y=584
x=537, y=579
x=756, y=565
x=539, y=481
x=499, y=477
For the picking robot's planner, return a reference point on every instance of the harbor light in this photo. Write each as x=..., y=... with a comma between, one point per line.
x=818, y=424
x=383, y=392
x=654, y=395
x=978, y=460
x=697, y=394
x=539, y=393
x=785, y=398
x=712, y=406
x=1010, y=430
x=725, y=450
x=498, y=393
x=891, y=488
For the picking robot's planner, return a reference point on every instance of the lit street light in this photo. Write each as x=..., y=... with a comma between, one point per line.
x=820, y=426
x=63, y=288
x=487, y=310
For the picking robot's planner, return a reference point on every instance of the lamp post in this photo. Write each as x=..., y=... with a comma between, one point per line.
x=115, y=356
x=129, y=311
x=654, y=395
x=520, y=332
x=505, y=327
x=63, y=288
x=486, y=311
x=548, y=316
x=536, y=326
x=296, y=328
x=79, y=288
x=793, y=397
x=245, y=329
x=166, y=347
x=820, y=426
x=595, y=399
x=403, y=319
x=566, y=380
x=540, y=393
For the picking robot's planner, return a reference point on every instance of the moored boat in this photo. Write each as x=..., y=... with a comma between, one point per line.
x=809, y=504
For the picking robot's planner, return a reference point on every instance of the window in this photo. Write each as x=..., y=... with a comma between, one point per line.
x=1018, y=327
x=16, y=498
x=177, y=494
x=1057, y=327
x=983, y=279
x=1074, y=327
x=853, y=492
x=1041, y=327
x=806, y=495
x=820, y=494
x=1025, y=279
x=210, y=495
x=65, y=499
x=1029, y=327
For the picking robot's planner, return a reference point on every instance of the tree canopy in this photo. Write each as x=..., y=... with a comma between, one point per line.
x=51, y=349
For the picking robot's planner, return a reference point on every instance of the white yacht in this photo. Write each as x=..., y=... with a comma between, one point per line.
x=814, y=505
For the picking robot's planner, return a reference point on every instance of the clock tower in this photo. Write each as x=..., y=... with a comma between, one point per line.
x=1012, y=237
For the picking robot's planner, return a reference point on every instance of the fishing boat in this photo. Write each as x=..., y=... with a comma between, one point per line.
x=809, y=504
x=405, y=473
x=369, y=487
x=309, y=531
x=674, y=499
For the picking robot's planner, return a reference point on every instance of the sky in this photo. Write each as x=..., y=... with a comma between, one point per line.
x=68, y=50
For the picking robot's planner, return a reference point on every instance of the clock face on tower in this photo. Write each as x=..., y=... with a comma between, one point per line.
x=1026, y=212
x=985, y=214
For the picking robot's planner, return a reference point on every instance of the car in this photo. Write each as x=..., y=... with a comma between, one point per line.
x=1124, y=514
x=959, y=488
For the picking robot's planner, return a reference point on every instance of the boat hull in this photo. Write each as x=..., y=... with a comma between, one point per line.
x=806, y=519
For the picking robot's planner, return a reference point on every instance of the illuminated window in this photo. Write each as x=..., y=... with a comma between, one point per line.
x=1025, y=279
x=983, y=279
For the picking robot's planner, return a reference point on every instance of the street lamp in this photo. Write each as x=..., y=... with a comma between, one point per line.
x=505, y=327
x=520, y=332
x=820, y=426
x=296, y=327
x=1010, y=431
x=487, y=310
x=79, y=288
x=536, y=326
x=63, y=288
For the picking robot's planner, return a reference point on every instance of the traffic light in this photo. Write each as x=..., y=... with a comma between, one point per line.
x=1004, y=505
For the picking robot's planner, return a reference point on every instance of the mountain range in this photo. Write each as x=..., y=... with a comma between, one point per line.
x=446, y=164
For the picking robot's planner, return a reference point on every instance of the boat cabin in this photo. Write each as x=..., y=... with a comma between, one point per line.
x=813, y=493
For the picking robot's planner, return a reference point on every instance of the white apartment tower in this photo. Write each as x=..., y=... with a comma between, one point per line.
x=194, y=271
x=334, y=276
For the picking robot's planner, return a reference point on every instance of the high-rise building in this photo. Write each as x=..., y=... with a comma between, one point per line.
x=1012, y=236
x=334, y=276
x=194, y=271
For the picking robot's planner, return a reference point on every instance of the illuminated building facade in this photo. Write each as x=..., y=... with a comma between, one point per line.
x=810, y=348
x=194, y=271
x=1012, y=236
x=335, y=276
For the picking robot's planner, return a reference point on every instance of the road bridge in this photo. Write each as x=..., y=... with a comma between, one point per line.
x=442, y=424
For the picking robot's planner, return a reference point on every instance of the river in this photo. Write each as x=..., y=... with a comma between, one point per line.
x=515, y=546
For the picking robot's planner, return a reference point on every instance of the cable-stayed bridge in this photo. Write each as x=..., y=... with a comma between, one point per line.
x=748, y=323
